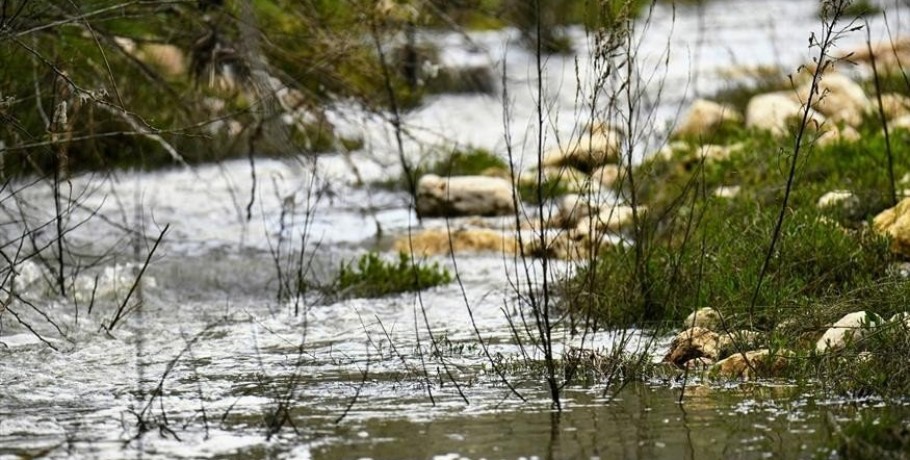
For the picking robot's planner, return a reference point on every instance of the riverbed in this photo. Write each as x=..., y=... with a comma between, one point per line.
x=216, y=364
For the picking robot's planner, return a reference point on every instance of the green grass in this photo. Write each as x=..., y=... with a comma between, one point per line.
x=699, y=250
x=372, y=276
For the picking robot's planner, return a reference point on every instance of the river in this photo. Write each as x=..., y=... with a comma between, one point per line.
x=213, y=358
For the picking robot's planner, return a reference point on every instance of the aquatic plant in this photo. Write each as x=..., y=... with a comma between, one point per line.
x=373, y=276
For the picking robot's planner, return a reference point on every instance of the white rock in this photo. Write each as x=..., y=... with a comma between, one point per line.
x=900, y=123
x=727, y=191
x=705, y=116
x=463, y=196
x=895, y=105
x=586, y=152
x=775, y=111
x=705, y=317
x=849, y=329
x=843, y=199
x=838, y=98
x=611, y=218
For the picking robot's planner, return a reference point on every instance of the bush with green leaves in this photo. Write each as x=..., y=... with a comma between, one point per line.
x=373, y=276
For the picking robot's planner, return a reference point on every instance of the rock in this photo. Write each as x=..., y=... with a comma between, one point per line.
x=727, y=191
x=700, y=364
x=841, y=199
x=669, y=151
x=692, y=343
x=564, y=246
x=606, y=175
x=776, y=112
x=587, y=152
x=169, y=59
x=705, y=117
x=839, y=98
x=751, y=364
x=902, y=319
x=436, y=241
x=705, y=317
x=463, y=196
x=729, y=343
x=849, y=329
x=895, y=105
x=890, y=56
x=895, y=222
x=900, y=123
x=611, y=218
x=833, y=135
x=712, y=152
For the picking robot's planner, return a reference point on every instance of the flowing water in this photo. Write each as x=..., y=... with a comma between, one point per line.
x=213, y=364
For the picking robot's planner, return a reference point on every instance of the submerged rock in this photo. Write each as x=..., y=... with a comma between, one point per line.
x=705, y=117
x=705, y=317
x=895, y=223
x=851, y=328
x=696, y=342
x=463, y=196
x=438, y=241
x=751, y=364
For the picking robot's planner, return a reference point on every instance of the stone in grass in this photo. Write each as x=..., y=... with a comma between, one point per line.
x=705, y=317
x=895, y=223
x=588, y=151
x=696, y=342
x=850, y=329
x=751, y=364
x=463, y=196
x=704, y=117
x=843, y=200
x=775, y=112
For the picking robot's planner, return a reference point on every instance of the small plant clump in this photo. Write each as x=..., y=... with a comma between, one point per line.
x=373, y=276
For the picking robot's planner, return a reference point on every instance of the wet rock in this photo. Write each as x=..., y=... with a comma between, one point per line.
x=895, y=223
x=692, y=343
x=751, y=364
x=705, y=317
x=438, y=241
x=700, y=364
x=705, y=117
x=851, y=328
x=839, y=98
x=729, y=343
x=463, y=196
x=777, y=112
x=587, y=152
